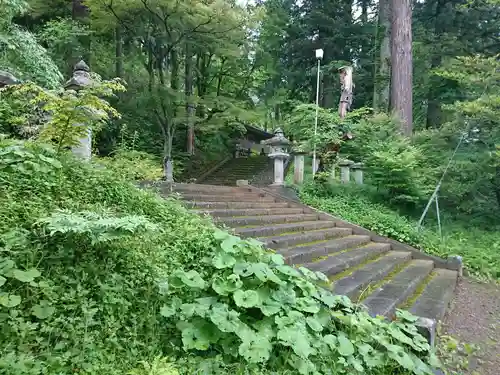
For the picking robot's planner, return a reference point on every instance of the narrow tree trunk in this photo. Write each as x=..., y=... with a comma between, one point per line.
x=434, y=105
x=80, y=13
x=383, y=58
x=402, y=64
x=174, y=74
x=189, y=99
x=118, y=52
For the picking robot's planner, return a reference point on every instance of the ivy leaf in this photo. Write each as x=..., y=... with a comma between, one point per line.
x=247, y=298
x=223, y=260
x=26, y=276
x=43, y=310
x=345, y=348
x=256, y=350
x=9, y=300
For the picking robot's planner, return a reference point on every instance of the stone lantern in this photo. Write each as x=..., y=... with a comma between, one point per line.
x=81, y=79
x=279, y=145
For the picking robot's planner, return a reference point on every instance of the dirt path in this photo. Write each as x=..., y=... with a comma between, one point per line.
x=474, y=318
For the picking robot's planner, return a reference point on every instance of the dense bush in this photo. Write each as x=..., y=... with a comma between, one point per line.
x=367, y=207
x=84, y=263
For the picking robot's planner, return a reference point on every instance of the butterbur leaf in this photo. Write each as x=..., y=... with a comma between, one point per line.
x=331, y=341
x=345, y=348
x=190, y=278
x=197, y=336
x=356, y=363
x=308, y=273
x=229, y=244
x=26, y=276
x=225, y=286
x=296, y=337
x=277, y=259
x=223, y=260
x=270, y=307
x=243, y=269
x=43, y=310
x=9, y=300
x=307, y=304
x=314, y=324
x=264, y=273
x=400, y=356
x=247, y=298
x=167, y=311
x=289, y=271
x=220, y=235
x=406, y=316
x=256, y=350
x=226, y=320
x=2, y=280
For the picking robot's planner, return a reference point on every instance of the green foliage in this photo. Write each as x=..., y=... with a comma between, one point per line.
x=246, y=303
x=64, y=110
x=133, y=165
x=368, y=208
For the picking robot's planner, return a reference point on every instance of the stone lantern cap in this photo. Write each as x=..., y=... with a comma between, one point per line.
x=345, y=163
x=81, y=77
x=278, y=139
x=357, y=166
x=298, y=149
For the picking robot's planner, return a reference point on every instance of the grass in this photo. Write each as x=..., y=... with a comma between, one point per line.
x=480, y=248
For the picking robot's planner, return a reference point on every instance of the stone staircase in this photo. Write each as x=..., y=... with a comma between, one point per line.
x=380, y=273
x=256, y=169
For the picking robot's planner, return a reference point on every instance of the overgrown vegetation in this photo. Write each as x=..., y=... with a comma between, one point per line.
x=91, y=267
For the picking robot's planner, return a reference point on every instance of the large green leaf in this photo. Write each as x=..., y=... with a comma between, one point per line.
x=226, y=320
x=296, y=337
x=190, y=278
x=345, y=348
x=224, y=286
x=26, y=276
x=308, y=304
x=256, y=350
x=243, y=269
x=397, y=353
x=2, y=280
x=223, y=260
x=43, y=310
x=247, y=298
x=9, y=300
x=264, y=273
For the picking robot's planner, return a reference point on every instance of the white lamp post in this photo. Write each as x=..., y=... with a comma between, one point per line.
x=319, y=56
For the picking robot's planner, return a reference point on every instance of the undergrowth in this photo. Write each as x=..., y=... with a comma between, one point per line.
x=98, y=277
x=479, y=248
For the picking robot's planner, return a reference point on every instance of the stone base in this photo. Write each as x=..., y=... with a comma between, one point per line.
x=241, y=182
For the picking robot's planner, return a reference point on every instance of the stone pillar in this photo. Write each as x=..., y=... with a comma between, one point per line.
x=357, y=170
x=345, y=174
x=298, y=174
x=333, y=171
x=81, y=79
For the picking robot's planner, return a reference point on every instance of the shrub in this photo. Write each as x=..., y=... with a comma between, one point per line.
x=133, y=165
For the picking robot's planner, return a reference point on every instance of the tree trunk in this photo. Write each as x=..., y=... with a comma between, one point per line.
x=402, y=64
x=381, y=93
x=189, y=99
x=80, y=13
x=434, y=105
x=118, y=52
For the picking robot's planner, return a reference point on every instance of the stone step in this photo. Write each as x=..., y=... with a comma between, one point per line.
x=250, y=212
x=236, y=205
x=435, y=298
x=203, y=188
x=353, y=284
x=266, y=219
x=307, y=253
x=250, y=197
x=276, y=229
x=337, y=263
x=387, y=297
x=291, y=239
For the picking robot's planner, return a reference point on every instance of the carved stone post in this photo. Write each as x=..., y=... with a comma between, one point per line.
x=298, y=173
x=278, y=145
x=357, y=170
x=81, y=79
x=345, y=174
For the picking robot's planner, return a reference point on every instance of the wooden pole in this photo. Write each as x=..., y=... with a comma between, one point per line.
x=347, y=87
